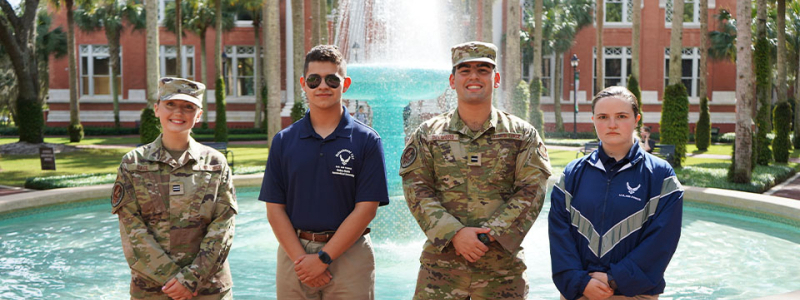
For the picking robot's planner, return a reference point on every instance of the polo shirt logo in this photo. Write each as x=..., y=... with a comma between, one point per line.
x=345, y=156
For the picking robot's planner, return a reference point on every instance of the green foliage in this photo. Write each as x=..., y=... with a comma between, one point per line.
x=782, y=122
x=675, y=120
x=723, y=40
x=703, y=129
x=75, y=132
x=520, y=101
x=221, y=126
x=535, y=114
x=298, y=110
x=713, y=175
x=150, y=126
x=633, y=86
x=31, y=130
x=761, y=150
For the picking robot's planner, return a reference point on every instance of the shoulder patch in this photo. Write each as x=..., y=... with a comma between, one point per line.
x=409, y=156
x=542, y=151
x=117, y=194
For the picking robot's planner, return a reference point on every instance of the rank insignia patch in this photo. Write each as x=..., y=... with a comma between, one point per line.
x=409, y=156
x=117, y=194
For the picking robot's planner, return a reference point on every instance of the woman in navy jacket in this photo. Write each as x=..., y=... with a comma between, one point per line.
x=615, y=214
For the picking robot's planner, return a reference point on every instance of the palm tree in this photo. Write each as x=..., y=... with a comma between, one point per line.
x=47, y=42
x=150, y=126
x=599, y=20
x=323, y=22
x=744, y=86
x=198, y=16
x=486, y=24
x=781, y=63
x=793, y=41
x=676, y=43
x=512, y=54
x=254, y=7
x=701, y=82
x=636, y=19
x=108, y=14
x=272, y=38
x=536, y=80
x=315, y=22
x=298, y=45
x=18, y=35
x=723, y=40
x=75, y=128
x=178, y=37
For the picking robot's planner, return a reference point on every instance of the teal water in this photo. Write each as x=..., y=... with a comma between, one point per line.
x=75, y=253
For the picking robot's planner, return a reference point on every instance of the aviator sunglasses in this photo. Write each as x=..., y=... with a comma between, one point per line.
x=314, y=80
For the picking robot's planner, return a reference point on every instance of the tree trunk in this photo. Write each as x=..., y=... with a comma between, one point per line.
x=473, y=5
x=298, y=47
x=702, y=90
x=257, y=66
x=636, y=19
x=19, y=44
x=796, y=106
x=113, y=51
x=218, y=40
x=315, y=22
x=599, y=20
x=763, y=91
x=486, y=25
x=206, y=80
x=536, y=94
x=744, y=94
x=761, y=18
x=781, y=63
x=178, y=40
x=152, y=62
x=74, y=106
x=272, y=41
x=558, y=91
x=676, y=43
x=512, y=57
x=323, y=22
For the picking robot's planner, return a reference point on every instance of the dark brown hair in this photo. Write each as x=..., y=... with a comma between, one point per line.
x=326, y=53
x=618, y=92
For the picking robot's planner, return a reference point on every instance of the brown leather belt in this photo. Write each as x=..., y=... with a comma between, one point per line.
x=322, y=237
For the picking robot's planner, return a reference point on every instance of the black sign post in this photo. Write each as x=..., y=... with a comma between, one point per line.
x=47, y=155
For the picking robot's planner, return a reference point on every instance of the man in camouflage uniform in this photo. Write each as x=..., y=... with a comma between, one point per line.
x=475, y=180
x=176, y=206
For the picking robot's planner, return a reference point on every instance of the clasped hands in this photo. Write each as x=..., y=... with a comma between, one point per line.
x=597, y=288
x=312, y=271
x=177, y=291
x=468, y=245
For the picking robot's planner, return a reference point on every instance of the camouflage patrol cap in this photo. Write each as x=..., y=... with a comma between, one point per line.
x=170, y=88
x=474, y=51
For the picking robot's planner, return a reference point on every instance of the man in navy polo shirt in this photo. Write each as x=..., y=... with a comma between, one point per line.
x=324, y=181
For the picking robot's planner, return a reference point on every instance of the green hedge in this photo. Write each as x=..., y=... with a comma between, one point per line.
x=535, y=113
x=761, y=150
x=298, y=110
x=221, y=126
x=150, y=126
x=782, y=118
x=633, y=86
x=702, y=131
x=675, y=121
x=31, y=130
x=521, y=101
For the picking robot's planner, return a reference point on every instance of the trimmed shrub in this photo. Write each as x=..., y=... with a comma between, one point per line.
x=298, y=110
x=763, y=73
x=782, y=116
x=75, y=132
x=568, y=135
x=150, y=126
x=633, y=86
x=31, y=130
x=674, y=127
x=702, y=132
x=761, y=150
x=221, y=126
x=521, y=100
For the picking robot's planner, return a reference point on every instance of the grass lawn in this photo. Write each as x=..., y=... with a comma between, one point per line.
x=719, y=149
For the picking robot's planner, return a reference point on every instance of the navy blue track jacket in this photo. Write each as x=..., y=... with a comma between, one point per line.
x=626, y=224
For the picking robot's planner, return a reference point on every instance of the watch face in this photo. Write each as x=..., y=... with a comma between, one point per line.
x=324, y=257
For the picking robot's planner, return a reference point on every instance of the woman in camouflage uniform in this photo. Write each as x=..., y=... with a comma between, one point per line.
x=176, y=205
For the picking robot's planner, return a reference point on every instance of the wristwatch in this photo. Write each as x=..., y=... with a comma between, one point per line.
x=611, y=282
x=484, y=238
x=324, y=257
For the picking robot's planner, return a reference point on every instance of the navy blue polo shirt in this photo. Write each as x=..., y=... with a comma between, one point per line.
x=321, y=180
x=613, y=166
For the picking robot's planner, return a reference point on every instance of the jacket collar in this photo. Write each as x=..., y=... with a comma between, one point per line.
x=344, y=129
x=635, y=154
x=156, y=152
x=457, y=124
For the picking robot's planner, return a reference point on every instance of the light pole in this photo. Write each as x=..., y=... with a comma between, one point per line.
x=574, y=63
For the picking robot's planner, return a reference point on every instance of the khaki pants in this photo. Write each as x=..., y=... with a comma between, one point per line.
x=353, y=274
x=639, y=297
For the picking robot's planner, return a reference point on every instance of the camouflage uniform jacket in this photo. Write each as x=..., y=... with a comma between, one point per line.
x=494, y=178
x=176, y=218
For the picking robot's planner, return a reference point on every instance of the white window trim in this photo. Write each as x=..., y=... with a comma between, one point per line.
x=696, y=18
x=529, y=68
x=188, y=52
x=692, y=53
x=96, y=51
x=625, y=54
x=624, y=15
x=233, y=53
